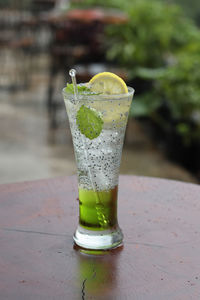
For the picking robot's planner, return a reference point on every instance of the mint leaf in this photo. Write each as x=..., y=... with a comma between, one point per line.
x=70, y=88
x=89, y=122
x=81, y=89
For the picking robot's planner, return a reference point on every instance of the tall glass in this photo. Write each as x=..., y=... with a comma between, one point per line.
x=98, y=162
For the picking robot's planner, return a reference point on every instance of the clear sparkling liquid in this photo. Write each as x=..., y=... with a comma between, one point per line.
x=102, y=155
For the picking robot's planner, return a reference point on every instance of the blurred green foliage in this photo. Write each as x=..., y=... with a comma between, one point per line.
x=180, y=84
x=153, y=31
x=158, y=44
x=190, y=7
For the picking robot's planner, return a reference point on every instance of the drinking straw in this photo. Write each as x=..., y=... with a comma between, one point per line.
x=101, y=216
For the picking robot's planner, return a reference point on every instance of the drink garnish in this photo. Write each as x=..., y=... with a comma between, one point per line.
x=108, y=83
x=81, y=89
x=89, y=122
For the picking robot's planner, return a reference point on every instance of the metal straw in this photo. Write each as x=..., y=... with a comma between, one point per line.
x=99, y=207
x=72, y=73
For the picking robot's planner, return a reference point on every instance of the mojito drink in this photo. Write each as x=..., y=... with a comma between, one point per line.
x=98, y=122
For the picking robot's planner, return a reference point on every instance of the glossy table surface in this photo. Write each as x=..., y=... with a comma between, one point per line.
x=160, y=258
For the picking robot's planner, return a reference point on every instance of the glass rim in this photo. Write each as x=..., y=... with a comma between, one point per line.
x=102, y=97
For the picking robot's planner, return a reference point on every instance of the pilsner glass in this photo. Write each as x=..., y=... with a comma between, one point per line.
x=98, y=162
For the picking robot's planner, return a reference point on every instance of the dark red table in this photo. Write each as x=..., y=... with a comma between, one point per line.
x=160, y=258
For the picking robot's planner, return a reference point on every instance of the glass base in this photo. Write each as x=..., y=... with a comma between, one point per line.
x=103, y=240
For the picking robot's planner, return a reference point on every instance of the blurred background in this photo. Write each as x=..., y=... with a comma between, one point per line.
x=153, y=45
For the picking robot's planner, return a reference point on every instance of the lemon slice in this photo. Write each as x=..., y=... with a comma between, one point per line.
x=108, y=83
